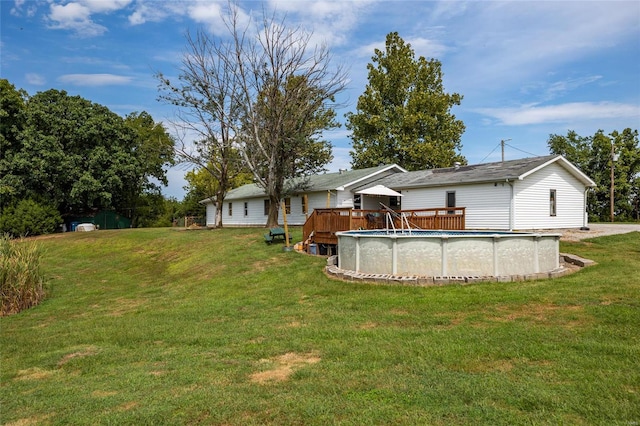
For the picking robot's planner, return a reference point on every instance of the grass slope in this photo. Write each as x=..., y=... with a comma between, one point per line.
x=158, y=326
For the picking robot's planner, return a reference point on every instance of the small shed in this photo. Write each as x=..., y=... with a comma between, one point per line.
x=104, y=219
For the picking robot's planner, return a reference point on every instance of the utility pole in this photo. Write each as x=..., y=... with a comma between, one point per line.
x=502, y=143
x=614, y=158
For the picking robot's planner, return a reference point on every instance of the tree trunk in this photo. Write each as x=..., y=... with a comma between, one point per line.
x=274, y=209
x=218, y=219
x=219, y=207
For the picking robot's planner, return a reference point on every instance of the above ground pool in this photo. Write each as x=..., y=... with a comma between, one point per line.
x=448, y=253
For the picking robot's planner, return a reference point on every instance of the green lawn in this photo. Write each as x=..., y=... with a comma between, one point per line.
x=159, y=326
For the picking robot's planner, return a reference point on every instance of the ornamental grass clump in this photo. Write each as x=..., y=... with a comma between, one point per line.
x=21, y=282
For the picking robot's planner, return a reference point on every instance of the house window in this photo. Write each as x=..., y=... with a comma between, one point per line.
x=246, y=209
x=552, y=202
x=357, y=201
x=394, y=203
x=451, y=201
x=287, y=205
x=267, y=206
x=230, y=209
x=305, y=204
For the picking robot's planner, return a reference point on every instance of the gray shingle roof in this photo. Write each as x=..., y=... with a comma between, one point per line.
x=479, y=173
x=322, y=182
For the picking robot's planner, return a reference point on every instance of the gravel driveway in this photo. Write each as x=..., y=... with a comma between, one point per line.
x=598, y=230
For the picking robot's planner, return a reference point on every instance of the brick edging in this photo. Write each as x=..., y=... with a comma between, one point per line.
x=333, y=271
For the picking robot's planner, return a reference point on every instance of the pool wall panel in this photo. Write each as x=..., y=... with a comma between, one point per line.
x=456, y=253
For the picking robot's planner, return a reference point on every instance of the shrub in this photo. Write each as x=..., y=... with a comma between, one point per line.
x=21, y=282
x=28, y=217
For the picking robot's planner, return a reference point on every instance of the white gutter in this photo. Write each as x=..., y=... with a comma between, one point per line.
x=512, y=206
x=585, y=217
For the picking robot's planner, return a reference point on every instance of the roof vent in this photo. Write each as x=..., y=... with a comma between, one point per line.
x=341, y=171
x=456, y=165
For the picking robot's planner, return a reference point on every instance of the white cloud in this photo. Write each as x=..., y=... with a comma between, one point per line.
x=35, y=79
x=426, y=47
x=569, y=112
x=547, y=91
x=341, y=159
x=329, y=21
x=16, y=10
x=156, y=11
x=102, y=6
x=209, y=14
x=429, y=48
x=74, y=17
x=503, y=43
x=94, y=79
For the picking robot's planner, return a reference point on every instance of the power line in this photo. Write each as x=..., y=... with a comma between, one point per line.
x=510, y=146
x=518, y=149
x=482, y=161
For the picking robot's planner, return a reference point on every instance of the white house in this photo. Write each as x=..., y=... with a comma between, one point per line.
x=531, y=193
x=248, y=205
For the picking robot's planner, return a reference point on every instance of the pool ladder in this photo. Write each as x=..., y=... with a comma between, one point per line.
x=390, y=215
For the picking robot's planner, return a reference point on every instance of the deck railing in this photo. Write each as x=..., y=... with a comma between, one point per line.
x=322, y=225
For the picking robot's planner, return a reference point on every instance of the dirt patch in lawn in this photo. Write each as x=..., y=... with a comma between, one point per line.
x=35, y=420
x=261, y=265
x=569, y=316
x=283, y=367
x=123, y=306
x=84, y=352
x=34, y=373
x=127, y=406
x=487, y=366
x=103, y=394
x=367, y=325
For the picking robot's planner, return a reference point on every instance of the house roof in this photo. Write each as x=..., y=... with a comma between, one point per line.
x=488, y=172
x=323, y=182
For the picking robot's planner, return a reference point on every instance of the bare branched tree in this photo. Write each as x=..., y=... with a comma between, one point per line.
x=261, y=91
x=288, y=91
x=207, y=100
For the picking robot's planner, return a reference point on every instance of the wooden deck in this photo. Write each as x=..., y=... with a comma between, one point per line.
x=322, y=225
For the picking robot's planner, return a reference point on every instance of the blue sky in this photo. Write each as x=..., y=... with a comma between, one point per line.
x=526, y=69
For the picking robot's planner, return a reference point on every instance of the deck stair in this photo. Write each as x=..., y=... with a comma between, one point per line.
x=322, y=224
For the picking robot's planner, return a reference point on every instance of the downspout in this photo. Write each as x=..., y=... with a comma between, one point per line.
x=512, y=206
x=585, y=215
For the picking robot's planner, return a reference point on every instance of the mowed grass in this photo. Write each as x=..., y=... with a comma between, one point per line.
x=158, y=326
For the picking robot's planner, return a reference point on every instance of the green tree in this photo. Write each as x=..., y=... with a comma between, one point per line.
x=156, y=211
x=404, y=116
x=79, y=156
x=12, y=120
x=74, y=152
x=202, y=185
x=593, y=155
x=28, y=217
x=154, y=150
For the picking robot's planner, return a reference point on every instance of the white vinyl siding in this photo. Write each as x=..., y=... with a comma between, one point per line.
x=211, y=214
x=256, y=216
x=343, y=199
x=318, y=200
x=532, y=200
x=487, y=205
